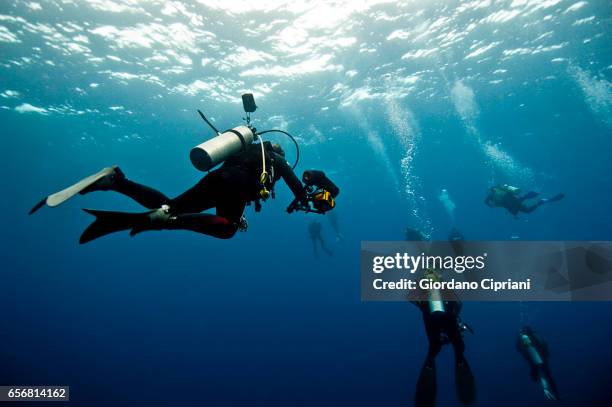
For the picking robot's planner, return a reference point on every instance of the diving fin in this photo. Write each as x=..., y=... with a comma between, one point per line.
x=38, y=206
x=108, y=222
x=425, y=395
x=465, y=383
x=556, y=198
x=67, y=193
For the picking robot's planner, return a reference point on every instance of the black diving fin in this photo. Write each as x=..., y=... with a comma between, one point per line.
x=425, y=395
x=108, y=222
x=465, y=383
x=556, y=198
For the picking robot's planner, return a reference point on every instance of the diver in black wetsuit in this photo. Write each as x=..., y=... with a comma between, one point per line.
x=444, y=326
x=535, y=352
x=314, y=230
x=228, y=189
x=248, y=174
x=506, y=196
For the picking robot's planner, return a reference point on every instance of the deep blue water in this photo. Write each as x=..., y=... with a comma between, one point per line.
x=394, y=100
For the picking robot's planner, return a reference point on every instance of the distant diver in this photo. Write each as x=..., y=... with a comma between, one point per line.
x=509, y=197
x=315, y=231
x=248, y=175
x=535, y=352
x=443, y=326
x=413, y=235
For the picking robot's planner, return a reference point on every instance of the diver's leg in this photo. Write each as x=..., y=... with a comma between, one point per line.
x=464, y=378
x=201, y=196
x=224, y=225
x=216, y=189
x=425, y=394
x=224, y=187
x=232, y=211
x=144, y=195
x=116, y=181
x=432, y=330
x=205, y=223
x=531, y=208
x=465, y=384
x=529, y=195
x=456, y=339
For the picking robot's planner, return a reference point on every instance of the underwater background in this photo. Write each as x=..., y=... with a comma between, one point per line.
x=414, y=108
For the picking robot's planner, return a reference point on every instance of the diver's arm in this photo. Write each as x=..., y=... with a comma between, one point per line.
x=285, y=171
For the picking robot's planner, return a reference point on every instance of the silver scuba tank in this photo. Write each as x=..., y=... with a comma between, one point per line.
x=533, y=353
x=218, y=149
x=436, y=304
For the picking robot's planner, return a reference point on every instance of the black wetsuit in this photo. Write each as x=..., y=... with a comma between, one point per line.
x=442, y=329
x=515, y=204
x=228, y=189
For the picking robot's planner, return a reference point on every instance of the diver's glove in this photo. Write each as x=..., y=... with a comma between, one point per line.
x=299, y=204
x=157, y=219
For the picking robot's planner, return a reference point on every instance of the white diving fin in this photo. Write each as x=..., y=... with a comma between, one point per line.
x=65, y=194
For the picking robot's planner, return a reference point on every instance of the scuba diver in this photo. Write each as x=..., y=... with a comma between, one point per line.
x=314, y=230
x=506, y=196
x=248, y=175
x=443, y=326
x=535, y=351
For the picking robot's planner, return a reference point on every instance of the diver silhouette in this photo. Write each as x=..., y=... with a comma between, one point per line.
x=247, y=174
x=510, y=198
x=535, y=352
x=444, y=326
x=315, y=231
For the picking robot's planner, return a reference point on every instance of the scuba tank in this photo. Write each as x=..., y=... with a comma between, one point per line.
x=511, y=189
x=435, y=302
x=216, y=150
x=532, y=352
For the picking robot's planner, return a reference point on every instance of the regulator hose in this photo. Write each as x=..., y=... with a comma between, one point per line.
x=297, y=147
